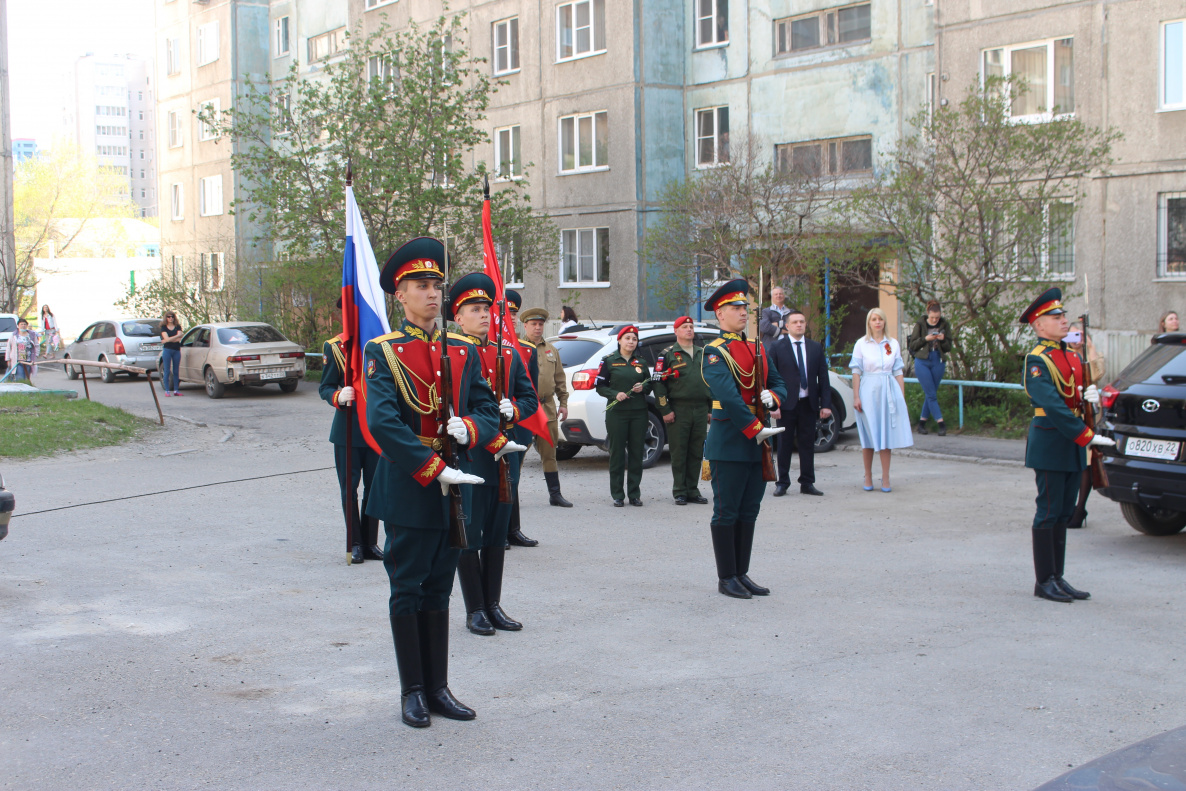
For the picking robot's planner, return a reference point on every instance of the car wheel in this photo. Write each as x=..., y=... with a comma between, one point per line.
x=1153, y=521
x=214, y=388
x=106, y=374
x=654, y=441
x=289, y=385
x=566, y=450
x=826, y=434
x=71, y=371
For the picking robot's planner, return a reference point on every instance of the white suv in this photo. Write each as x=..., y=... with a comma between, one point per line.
x=581, y=354
x=7, y=328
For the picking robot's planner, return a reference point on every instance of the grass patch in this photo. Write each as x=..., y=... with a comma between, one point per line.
x=42, y=425
x=1004, y=414
x=313, y=376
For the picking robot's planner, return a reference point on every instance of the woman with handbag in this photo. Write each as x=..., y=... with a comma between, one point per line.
x=928, y=344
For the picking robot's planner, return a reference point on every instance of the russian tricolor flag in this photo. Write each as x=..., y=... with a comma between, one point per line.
x=364, y=308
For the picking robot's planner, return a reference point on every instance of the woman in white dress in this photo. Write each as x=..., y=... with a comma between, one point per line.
x=879, y=397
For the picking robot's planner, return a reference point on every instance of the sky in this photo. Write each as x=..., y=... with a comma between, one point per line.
x=45, y=37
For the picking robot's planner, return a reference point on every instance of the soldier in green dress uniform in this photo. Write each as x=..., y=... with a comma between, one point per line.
x=624, y=380
x=1056, y=448
x=551, y=386
x=735, y=436
x=684, y=401
x=521, y=434
x=409, y=491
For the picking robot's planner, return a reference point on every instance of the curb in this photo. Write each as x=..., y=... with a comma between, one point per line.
x=926, y=454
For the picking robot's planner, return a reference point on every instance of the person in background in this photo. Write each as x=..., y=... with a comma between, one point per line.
x=21, y=351
x=772, y=324
x=568, y=318
x=170, y=353
x=1168, y=323
x=50, y=332
x=879, y=397
x=552, y=389
x=929, y=344
x=804, y=370
x=624, y=381
x=684, y=402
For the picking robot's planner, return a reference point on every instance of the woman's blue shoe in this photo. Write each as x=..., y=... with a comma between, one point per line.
x=884, y=489
x=867, y=488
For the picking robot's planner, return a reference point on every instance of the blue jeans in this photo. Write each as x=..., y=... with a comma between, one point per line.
x=930, y=374
x=170, y=360
x=21, y=371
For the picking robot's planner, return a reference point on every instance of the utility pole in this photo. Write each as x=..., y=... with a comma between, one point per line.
x=8, y=297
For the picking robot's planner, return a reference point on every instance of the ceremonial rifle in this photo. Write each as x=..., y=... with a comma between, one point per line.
x=504, y=468
x=760, y=410
x=1099, y=475
x=449, y=453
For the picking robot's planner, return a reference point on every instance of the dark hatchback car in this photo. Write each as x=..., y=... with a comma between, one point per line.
x=1145, y=412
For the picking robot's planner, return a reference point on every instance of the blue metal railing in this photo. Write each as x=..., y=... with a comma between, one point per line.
x=961, y=384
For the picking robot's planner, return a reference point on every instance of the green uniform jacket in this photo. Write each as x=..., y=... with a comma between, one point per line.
x=734, y=426
x=333, y=380
x=405, y=491
x=1058, y=438
x=677, y=377
x=618, y=375
x=549, y=377
x=521, y=394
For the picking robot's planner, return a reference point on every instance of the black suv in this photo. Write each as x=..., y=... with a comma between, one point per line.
x=1145, y=412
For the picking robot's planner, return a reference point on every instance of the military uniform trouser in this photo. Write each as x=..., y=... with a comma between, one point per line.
x=1058, y=493
x=627, y=432
x=737, y=490
x=685, y=440
x=363, y=461
x=420, y=568
x=488, y=519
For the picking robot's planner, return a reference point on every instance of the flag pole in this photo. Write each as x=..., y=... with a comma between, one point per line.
x=349, y=494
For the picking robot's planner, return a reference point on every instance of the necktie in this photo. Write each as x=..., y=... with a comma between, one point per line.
x=802, y=367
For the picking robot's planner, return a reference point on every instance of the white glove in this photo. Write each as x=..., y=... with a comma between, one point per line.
x=346, y=395
x=450, y=476
x=456, y=429
x=1100, y=441
x=1091, y=395
x=510, y=447
x=506, y=408
x=767, y=398
x=766, y=433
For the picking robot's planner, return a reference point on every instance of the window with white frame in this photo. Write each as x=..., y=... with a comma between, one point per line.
x=327, y=45
x=213, y=271
x=1171, y=235
x=174, y=124
x=208, y=43
x=1172, y=93
x=376, y=3
x=206, y=129
x=584, y=142
x=847, y=156
x=712, y=22
x=584, y=256
x=176, y=202
x=507, y=153
x=210, y=196
x=835, y=26
x=506, y=46
x=580, y=29
x=280, y=40
x=382, y=68
x=1053, y=255
x=172, y=56
x=177, y=270
x=712, y=137
x=1047, y=69
x=510, y=260
x=932, y=96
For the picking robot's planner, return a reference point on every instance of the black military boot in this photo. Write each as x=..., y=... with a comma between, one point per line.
x=356, y=554
x=434, y=649
x=405, y=631
x=492, y=565
x=554, y=495
x=1060, y=557
x=725, y=550
x=515, y=532
x=370, y=539
x=1046, y=585
x=469, y=578
x=745, y=547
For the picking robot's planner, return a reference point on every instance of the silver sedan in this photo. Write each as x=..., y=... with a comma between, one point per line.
x=240, y=353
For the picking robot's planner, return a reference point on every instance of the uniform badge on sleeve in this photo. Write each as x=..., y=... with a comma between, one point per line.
x=370, y=369
x=1035, y=370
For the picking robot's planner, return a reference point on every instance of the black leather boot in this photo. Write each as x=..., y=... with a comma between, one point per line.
x=405, y=631
x=724, y=549
x=1046, y=584
x=356, y=555
x=515, y=535
x=434, y=649
x=370, y=539
x=469, y=579
x=1060, y=558
x=745, y=547
x=492, y=565
x=554, y=495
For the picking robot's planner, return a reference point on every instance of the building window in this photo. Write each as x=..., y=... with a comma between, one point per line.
x=847, y=25
x=506, y=46
x=1173, y=66
x=382, y=67
x=581, y=29
x=585, y=256
x=172, y=56
x=176, y=202
x=141, y=134
x=506, y=153
x=112, y=151
x=207, y=43
x=712, y=22
x=210, y=196
x=141, y=172
x=932, y=96
x=584, y=142
x=511, y=262
x=712, y=137
x=376, y=3
x=839, y=157
x=103, y=109
x=1171, y=234
x=213, y=271
x=174, y=121
x=280, y=44
x=206, y=130
x=1048, y=70
x=177, y=270
x=1053, y=256
x=327, y=45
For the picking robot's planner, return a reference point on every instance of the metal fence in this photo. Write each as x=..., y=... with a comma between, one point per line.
x=961, y=384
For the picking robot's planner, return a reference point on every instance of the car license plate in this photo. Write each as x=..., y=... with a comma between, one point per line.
x=150, y=347
x=1151, y=448
x=272, y=374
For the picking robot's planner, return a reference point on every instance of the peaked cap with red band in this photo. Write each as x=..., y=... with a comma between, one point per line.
x=474, y=287
x=735, y=292
x=1050, y=303
x=422, y=258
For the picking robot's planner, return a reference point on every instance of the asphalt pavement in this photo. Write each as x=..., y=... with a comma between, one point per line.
x=190, y=633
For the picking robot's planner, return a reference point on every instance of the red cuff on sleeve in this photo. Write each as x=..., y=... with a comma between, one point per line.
x=517, y=415
x=752, y=429
x=1085, y=437
x=429, y=471
x=496, y=443
x=472, y=428
x=777, y=400
x=336, y=397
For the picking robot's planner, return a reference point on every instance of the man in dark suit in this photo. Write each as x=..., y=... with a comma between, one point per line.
x=801, y=364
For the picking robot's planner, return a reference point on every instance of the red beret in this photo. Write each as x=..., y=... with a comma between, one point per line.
x=626, y=329
x=682, y=320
